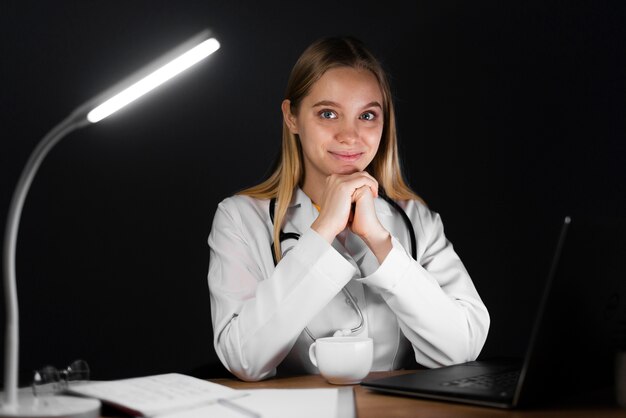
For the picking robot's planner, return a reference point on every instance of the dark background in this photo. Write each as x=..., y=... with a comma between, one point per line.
x=511, y=115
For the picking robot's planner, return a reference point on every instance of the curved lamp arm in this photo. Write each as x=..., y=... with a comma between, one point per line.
x=11, y=355
x=151, y=76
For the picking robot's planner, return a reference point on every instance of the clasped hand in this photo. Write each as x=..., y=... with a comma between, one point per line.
x=348, y=201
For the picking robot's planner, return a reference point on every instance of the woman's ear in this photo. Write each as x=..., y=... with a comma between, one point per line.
x=288, y=117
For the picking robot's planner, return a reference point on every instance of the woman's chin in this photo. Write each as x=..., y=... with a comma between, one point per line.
x=347, y=169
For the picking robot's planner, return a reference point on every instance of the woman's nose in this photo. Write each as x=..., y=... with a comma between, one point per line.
x=348, y=132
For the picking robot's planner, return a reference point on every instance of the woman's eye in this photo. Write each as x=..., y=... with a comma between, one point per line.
x=368, y=116
x=328, y=114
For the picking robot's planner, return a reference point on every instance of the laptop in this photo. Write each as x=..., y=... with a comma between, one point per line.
x=572, y=342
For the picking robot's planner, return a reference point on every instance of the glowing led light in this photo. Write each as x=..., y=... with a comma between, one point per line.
x=153, y=80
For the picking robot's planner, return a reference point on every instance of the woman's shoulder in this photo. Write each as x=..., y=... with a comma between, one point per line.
x=420, y=213
x=244, y=217
x=240, y=207
x=242, y=203
x=417, y=206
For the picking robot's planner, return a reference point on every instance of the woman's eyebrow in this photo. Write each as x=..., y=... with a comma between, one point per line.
x=335, y=104
x=326, y=103
x=373, y=104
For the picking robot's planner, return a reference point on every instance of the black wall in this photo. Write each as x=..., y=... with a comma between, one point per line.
x=511, y=115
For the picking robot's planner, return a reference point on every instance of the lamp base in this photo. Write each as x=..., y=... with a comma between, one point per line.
x=30, y=406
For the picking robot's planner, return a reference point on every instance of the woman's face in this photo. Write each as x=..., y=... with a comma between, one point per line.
x=340, y=123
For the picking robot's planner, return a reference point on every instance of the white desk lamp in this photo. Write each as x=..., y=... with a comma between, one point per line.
x=24, y=404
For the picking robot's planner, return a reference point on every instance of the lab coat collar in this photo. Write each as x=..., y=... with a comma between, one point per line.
x=382, y=207
x=299, y=199
x=300, y=213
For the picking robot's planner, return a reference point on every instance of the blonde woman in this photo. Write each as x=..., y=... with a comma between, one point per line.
x=334, y=242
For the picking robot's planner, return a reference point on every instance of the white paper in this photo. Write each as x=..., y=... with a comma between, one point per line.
x=271, y=403
x=290, y=403
x=213, y=411
x=152, y=395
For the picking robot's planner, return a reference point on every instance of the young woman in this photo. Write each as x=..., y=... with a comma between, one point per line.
x=334, y=242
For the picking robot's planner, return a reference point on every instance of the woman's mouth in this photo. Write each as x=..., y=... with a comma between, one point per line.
x=346, y=156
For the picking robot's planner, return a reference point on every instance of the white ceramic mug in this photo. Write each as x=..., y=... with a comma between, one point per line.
x=343, y=360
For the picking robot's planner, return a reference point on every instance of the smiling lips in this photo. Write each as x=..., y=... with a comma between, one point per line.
x=346, y=156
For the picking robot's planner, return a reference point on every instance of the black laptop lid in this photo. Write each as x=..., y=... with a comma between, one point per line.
x=572, y=346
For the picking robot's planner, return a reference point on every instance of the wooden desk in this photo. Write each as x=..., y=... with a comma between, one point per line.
x=375, y=405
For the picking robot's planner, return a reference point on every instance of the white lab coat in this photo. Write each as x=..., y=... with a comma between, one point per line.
x=428, y=308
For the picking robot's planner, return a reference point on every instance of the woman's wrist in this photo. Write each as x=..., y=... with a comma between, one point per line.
x=380, y=244
x=325, y=233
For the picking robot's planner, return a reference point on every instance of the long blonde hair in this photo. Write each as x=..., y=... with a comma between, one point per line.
x=319, y=57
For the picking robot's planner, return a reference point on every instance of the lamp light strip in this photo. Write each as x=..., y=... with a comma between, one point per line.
x=153, y=80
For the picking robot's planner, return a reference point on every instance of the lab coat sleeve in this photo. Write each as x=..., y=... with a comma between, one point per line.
x=434, y=300
x=257, y=319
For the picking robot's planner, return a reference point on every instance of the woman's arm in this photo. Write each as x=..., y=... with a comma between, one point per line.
x=257, y=318
x=437, y=305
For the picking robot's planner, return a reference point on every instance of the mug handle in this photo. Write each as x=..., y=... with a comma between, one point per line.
x=312, y=354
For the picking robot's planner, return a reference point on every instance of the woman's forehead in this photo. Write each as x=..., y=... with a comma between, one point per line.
x=346, y=84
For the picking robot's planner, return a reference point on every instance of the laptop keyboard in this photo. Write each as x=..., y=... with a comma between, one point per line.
x=487, y=381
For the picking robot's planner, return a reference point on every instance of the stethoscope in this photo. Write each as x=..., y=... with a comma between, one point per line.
x=349, y=298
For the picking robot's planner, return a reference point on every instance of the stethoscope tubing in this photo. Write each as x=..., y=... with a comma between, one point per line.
x=349, y=298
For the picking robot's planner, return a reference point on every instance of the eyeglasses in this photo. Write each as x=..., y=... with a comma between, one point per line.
x=50, y=381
